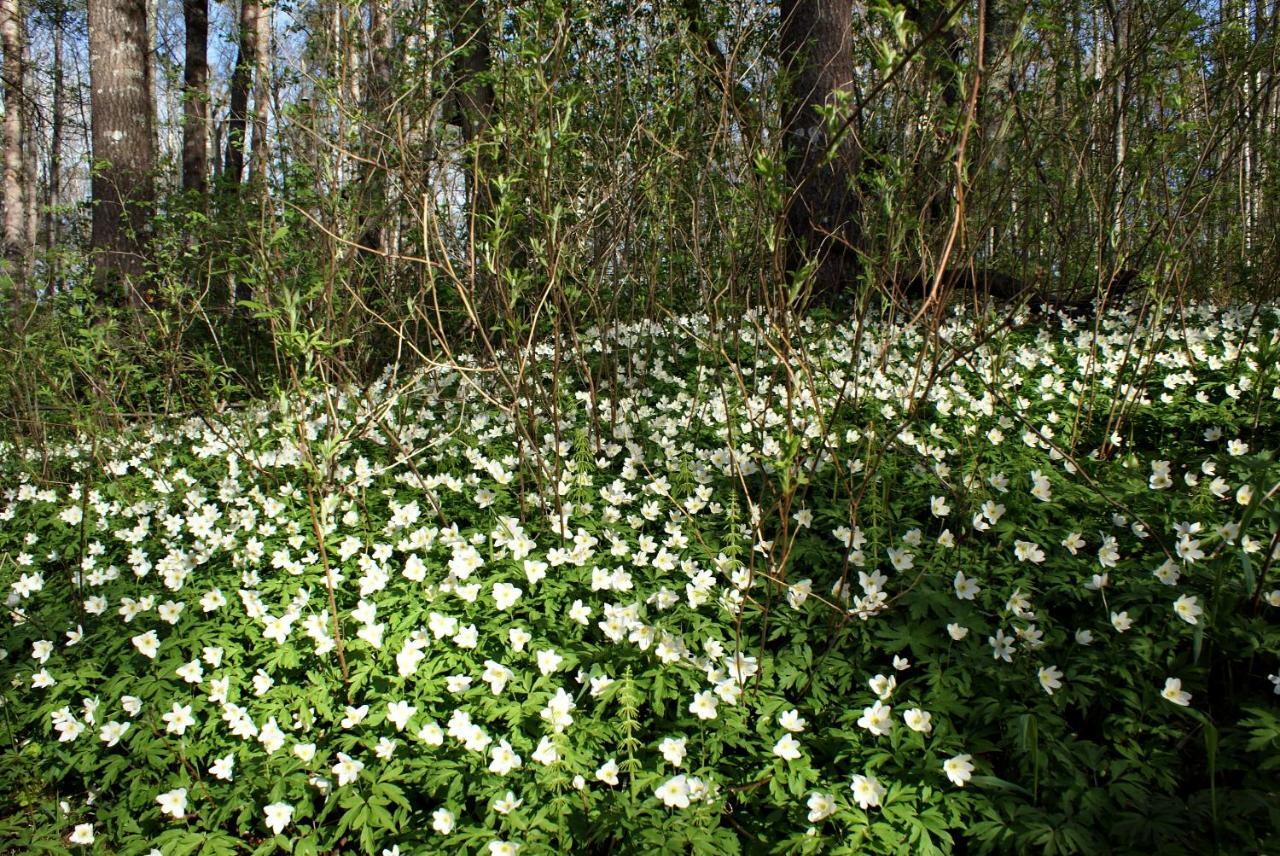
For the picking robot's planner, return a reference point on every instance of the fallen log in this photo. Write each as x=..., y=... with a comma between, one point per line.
x=991, y=284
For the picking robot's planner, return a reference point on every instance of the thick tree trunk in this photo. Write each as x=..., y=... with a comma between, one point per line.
x=822, y=215
x=195, y=97
x=15, y=222
x=241, y=83
x=123, y=140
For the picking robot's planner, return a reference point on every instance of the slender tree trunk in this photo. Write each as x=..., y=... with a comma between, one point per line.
x=241, y=83
x=256, y=53
x=15, y=222
x=822, y=215
x=195, y=97
x=1120, y=16
x=123, y=116
x=53, y=197
x=153, y=41
x=378, y=92
x=219, y=132
x=261, y=149
x=474, y=98
x=998, y=94
x=474, y=102
x=30, y=160
x=943, y=58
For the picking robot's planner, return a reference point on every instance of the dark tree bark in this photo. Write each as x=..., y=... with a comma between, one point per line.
x=123, y=141
x=998, y=78
x=241, y=83
x=946, y=50
x=984, y=283
x=822, y=215
x=195, y=97
x=944, y=54
x=378, y=88
x=474, y=98
x=474, y=105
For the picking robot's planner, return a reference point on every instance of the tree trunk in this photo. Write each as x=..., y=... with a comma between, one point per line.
x=261, y=148
x=997, y=95
x=219, y=131
x=195, y=97
x=15, y=224
x=1117, y=190
x=474, y=98
x=943, y=56
x=30, y=161
x=474, y=103
x=123, y=141
x=381, y=43
x=241, y=83
x=822, y=215
x=152, y=13
x=53, y=197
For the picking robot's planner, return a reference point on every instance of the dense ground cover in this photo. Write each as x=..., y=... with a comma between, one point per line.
x=884, y=592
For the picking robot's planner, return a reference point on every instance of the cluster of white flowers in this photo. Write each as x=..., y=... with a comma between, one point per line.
x=682, y=791
x=618, y=529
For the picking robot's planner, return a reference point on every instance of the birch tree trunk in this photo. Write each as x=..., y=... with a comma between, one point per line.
x=474, y=98
x=1120, y=22
x=241, y=83
x=53, y=197
x=15, y=223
